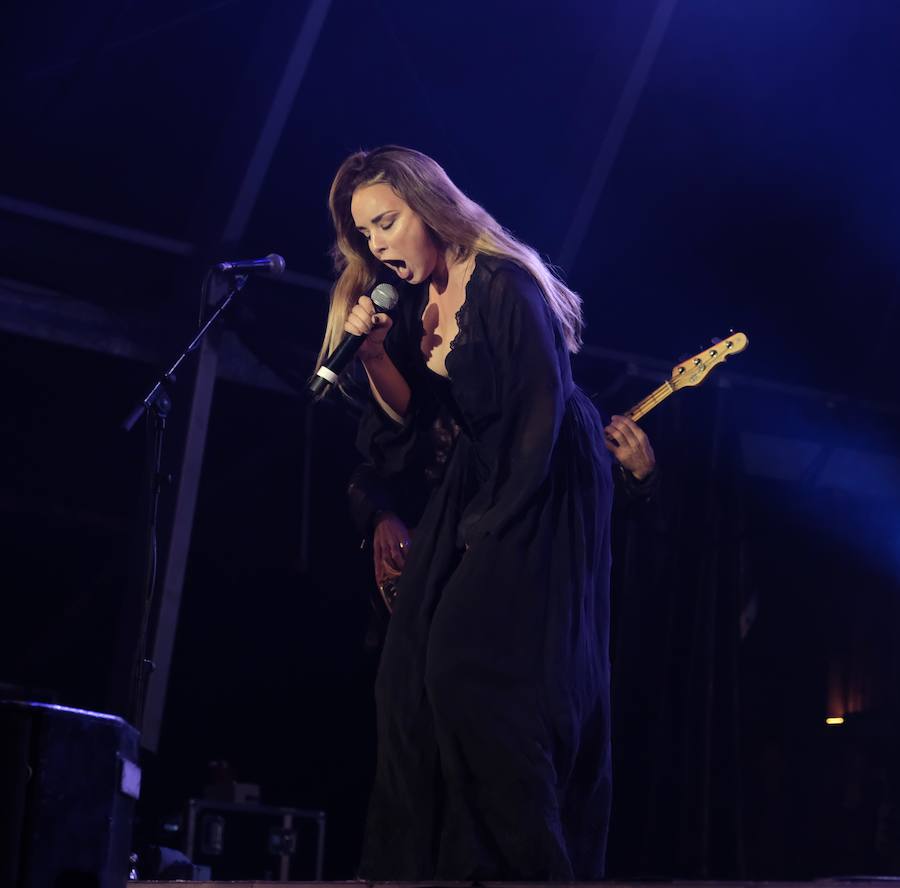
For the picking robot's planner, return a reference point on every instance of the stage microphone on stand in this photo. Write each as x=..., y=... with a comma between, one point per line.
x=272, y=264
x=385, y=298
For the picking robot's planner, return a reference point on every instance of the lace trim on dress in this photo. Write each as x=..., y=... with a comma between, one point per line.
x=462, y=315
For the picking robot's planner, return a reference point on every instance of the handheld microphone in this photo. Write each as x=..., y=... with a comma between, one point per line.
x=385, y=298
x=272, y=264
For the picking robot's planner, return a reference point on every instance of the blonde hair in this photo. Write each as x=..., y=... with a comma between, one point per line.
x=457, y=224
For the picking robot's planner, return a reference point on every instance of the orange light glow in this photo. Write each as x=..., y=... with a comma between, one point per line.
x=835, y=720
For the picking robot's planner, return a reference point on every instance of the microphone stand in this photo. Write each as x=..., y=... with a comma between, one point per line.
x=156, y=406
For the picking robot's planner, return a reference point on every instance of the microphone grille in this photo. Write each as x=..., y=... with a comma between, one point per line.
x=276, y=263
x=385, y=296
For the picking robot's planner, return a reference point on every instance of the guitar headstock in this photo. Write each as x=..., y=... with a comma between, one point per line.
x=694, y=370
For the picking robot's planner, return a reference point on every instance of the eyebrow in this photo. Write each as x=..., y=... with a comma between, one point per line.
x=375, y=219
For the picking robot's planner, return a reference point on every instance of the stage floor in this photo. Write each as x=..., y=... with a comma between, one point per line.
x=854, y=882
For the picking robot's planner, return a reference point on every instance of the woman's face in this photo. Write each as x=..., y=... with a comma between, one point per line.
x=396, y=235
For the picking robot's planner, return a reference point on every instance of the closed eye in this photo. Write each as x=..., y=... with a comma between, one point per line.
x=379, y=221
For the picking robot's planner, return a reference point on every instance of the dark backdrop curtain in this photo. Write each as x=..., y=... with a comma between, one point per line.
x=680, y=587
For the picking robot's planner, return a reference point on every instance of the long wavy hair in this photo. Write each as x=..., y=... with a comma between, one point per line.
x=458, y=225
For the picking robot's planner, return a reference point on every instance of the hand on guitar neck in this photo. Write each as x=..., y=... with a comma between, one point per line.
x=630, y=447
x=629, y=444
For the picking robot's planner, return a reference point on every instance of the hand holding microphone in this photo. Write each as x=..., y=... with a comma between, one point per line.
x=365, y=330
x=366, y=321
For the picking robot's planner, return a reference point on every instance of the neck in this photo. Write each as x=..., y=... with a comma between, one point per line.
x=446, y=270
x=440, y=277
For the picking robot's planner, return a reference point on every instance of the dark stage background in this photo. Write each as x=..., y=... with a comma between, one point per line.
x=693, y=166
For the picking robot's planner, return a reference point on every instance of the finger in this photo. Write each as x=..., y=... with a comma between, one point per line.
x=640, y=436
x=390, y=571
x=389, y=549
x=382, y=324
x=356, y=327
x=366, y=304
x=624, y=433
x=398, y=550
x=627, y=438
x=396, y=558
x=382, y=547
x=360, y=315
x=363, y=311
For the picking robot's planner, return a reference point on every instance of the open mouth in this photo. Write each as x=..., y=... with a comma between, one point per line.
x=395, y=263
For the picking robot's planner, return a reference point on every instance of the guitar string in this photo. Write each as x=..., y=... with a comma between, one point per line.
x=654, y=398
x=650, y=401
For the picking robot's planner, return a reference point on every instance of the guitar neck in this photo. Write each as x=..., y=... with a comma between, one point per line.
x=657, y=396
x=690, y=372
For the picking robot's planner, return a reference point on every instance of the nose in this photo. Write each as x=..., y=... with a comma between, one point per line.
x=376, y=243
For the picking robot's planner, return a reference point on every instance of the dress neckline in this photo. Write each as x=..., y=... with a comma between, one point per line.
x=423, y=305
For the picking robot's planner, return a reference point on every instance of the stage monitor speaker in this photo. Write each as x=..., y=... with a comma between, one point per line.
x=68, y=784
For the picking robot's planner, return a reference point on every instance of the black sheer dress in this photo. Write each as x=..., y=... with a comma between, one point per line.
x=493, y=688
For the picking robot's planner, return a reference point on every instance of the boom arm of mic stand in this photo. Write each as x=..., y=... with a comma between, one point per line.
x=158, y=392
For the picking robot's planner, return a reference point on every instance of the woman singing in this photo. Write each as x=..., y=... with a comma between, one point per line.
x=493, y=689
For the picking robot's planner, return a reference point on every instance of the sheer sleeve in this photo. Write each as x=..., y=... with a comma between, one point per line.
x=527, y=352
x=368, y=493
x=389, y=445
x=635, y=491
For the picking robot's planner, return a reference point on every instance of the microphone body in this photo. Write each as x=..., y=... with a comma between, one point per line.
x=272, y=264
x=385, y=298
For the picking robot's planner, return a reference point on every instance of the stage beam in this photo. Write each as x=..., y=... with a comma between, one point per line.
x=247, y=193
x=615, y=134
